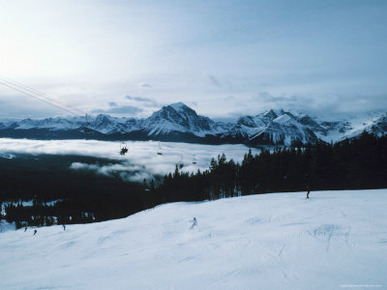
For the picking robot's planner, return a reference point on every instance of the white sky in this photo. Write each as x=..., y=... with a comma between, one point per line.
x=222, y=58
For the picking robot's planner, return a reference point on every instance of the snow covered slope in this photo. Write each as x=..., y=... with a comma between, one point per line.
x=334, y=240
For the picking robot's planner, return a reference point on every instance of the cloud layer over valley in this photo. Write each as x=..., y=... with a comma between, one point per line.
x=141, y=161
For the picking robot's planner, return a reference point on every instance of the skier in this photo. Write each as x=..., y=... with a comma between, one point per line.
x=25, y=229
x=64, y=227
x=35, y=231
x=194, y=223
x=308, y=191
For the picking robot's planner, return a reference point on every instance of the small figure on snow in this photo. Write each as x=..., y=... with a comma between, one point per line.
x=308, y=191
x=25, y=229
x=194, y=223
x=35, y=231
x=64, y=227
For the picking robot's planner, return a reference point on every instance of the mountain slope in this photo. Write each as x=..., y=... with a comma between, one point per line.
x=273, y=241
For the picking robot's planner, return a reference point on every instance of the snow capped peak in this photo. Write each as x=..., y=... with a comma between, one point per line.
x=179, y=107
x=179, y=118
x=274, y=127
x=270, y=114
x=283, y=119
x=103, y=118
x=173, y=112
x=246, y=121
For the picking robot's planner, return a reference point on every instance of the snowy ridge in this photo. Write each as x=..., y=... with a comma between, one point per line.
x=274, y=128
x=272, y=241
x=352, y=127
x=178, y=122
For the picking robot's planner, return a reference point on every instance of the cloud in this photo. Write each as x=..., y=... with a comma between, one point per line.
x=213, y=81
x=303, y=103
x=140, y=99
x=229, y=98
x=145, y=101
x=283, y=99
x=119, y=110
x=193, y=104
x=327, y=106
x=145, y=85
x=125, y=170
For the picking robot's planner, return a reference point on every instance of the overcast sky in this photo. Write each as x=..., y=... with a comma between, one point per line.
x=222, y=58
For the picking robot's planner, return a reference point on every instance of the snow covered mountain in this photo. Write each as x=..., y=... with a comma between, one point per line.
x=178, y=122
x=177, y=117
x=353, y=126
x=334, y=240
x=272, y=128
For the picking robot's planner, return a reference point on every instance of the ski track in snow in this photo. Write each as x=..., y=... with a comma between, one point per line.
x=273, y=241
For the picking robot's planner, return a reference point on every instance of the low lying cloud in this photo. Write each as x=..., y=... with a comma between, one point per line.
x=124, y=170
x=141, y=161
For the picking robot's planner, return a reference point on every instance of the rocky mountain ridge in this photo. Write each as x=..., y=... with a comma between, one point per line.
x=178, y=122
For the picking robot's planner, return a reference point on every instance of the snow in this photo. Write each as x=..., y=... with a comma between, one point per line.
x=25, y=203
x=334, y=240
x=178, y=107
x=283, y=120
x=7, y=156
x=165, y=127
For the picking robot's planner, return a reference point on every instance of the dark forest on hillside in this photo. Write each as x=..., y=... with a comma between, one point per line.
x=351, y=164
x=79, y=196
x=60, y=195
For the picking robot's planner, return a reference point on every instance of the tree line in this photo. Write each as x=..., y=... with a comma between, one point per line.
x=357, y=163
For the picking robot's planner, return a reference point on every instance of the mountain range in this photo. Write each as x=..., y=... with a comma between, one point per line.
x=179, y=123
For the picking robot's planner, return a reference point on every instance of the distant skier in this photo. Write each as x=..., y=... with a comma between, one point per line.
x=35, y=231
x=64, y=227
x=194, y=223
x=308, y=191
x=25, y=229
